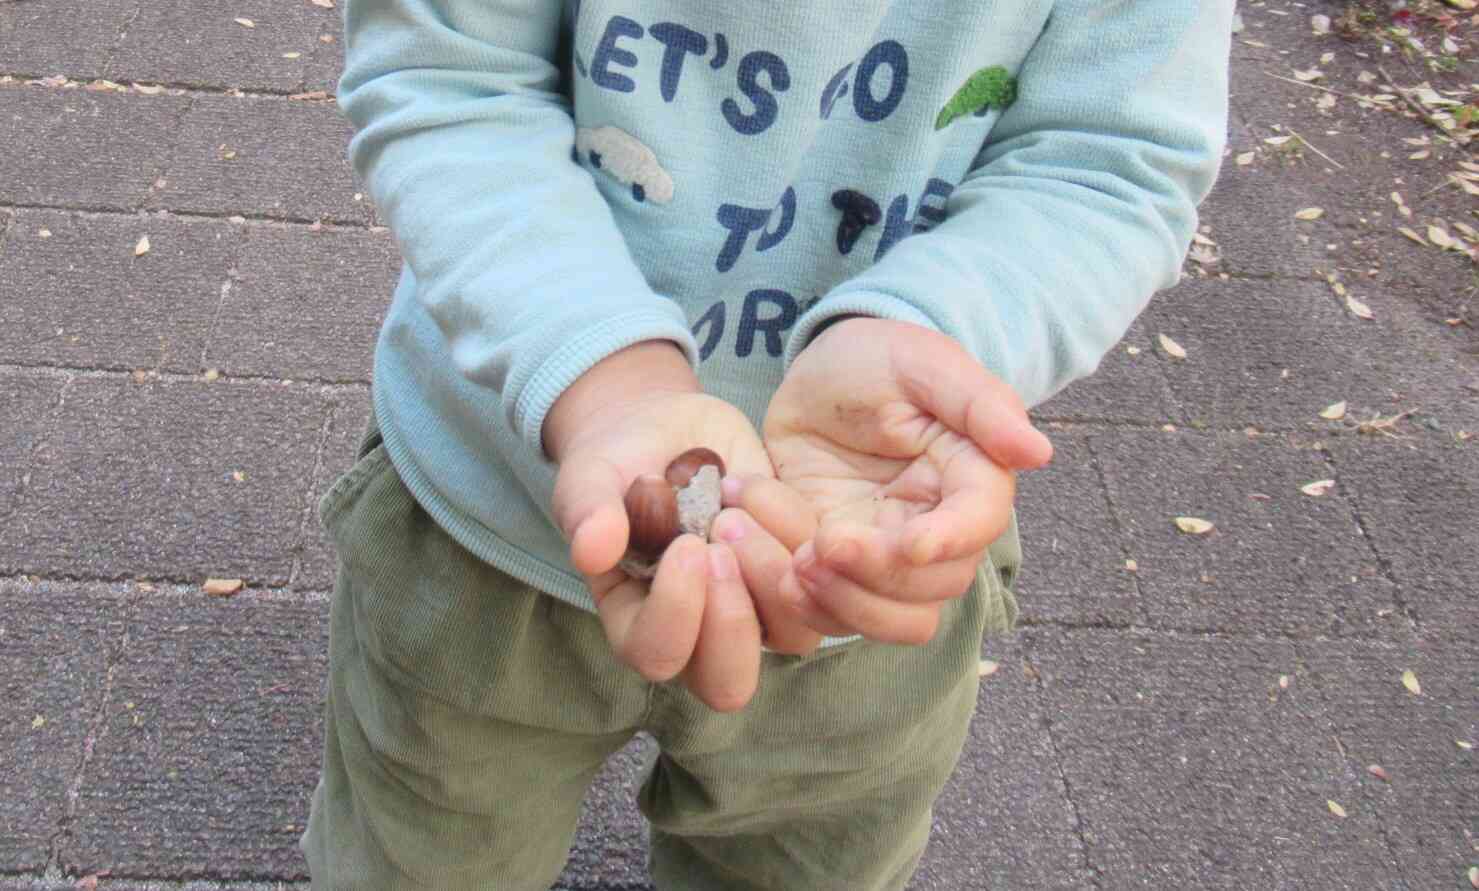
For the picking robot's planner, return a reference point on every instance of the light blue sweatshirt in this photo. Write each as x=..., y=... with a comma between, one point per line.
x=567, y=179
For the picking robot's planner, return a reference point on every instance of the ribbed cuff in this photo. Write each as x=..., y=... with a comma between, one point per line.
x=851, y=303
x=584, y=349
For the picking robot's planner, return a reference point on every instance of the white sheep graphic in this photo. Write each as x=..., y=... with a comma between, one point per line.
x=624, y=157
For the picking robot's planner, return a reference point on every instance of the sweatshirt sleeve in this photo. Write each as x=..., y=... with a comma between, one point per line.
x=465, y=141
x=1081, y=205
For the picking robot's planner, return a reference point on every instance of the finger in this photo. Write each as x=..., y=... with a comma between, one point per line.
x=940, y=377
x=588, y=508
x=784, y=513
x=875, y=561
x=974, y=510
x=657, y=639
x=800, y=606
x=763, y=563
x=866, y=613
x=725, y=668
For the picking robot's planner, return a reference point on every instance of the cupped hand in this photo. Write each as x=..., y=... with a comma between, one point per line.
x=905, y=449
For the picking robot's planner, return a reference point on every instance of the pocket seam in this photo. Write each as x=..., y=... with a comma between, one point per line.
x=333, y=502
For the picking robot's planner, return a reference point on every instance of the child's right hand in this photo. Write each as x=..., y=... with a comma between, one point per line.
x=630, y=415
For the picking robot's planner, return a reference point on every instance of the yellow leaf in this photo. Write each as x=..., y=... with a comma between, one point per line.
x=245, y=23
x=1420, y=155
x=1465, y=5
x=1193, y=525
x=1357, y=307
x=147, y=90
x=1310, y=213
x=1439, y=236
x=38, y=722
x=291, y=55
x=142, y=247
x=1412, y=235
x=1317, y=488
x=986, y=668
x=1474, y=876
x=1409, y=680
x=326, y=4
x=1172, y=348
x=1243, y=159
x=223, y=587
x=1334, y=411
x=1131, y=566
x=1335, y=808
x=1463, y=744
x=1307, y=76
x=1278, y=140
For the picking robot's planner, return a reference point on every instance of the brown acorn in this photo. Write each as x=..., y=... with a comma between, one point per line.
x=683, y=467
x=652, y=511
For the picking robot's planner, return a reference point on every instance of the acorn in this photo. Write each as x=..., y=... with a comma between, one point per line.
x=659, y=509
x=683, y=467
x=652, y=511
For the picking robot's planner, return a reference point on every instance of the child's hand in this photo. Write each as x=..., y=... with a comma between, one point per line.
x=631, y=414
x=906, y=448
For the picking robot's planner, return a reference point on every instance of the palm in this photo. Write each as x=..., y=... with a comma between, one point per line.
x=877, y=464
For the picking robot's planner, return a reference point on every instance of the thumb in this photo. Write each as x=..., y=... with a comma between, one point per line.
x=947, y=382
x=589, y=510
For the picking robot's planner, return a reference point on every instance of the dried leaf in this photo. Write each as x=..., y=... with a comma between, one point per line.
x=1474, y=876
x=1463, y=744
x=245, y=23
x=1193, y=525
x=1244, y=159
x=1409, y=680
x=1412, y=234
x=1131, y=566
x=1310, y=213
x=38, y=722
x=1357, y=307
x=1377, y=771
x=142, y=247
x=1283, y=682
x=986, y=668
x=1335, y=808
x=1420, y=155
x=1439, y=236
x=1277, y=140
x=1334, y=412
x=43, y=232
x=1320, y=24
x=1307, y=76
x=1202, y=255
x=1317, y=488
x=223, y=587
x=292, y=55
x=147, y=90
x=326, y=4
x=1172, y=348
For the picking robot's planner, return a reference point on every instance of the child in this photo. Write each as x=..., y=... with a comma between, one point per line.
x=841, y=243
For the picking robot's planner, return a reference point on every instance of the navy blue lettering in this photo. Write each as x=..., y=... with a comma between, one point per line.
x=678, y=42
x=740, y=221
x=836, y=89
x=769, y=239
x=771, y=326
x=607, y=53
x=892, y=54
x=931, y=215
x=766, y=108
x=721, y=51
x=714, y=318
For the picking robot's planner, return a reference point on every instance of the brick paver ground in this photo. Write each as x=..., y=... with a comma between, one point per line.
x=1183, y=723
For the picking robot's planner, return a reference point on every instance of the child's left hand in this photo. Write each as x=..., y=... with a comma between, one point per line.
x=905, y=449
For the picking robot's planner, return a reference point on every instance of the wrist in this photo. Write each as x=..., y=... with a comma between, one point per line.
x=636, y=372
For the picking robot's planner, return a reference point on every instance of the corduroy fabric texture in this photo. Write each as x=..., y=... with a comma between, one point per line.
x=467, y=714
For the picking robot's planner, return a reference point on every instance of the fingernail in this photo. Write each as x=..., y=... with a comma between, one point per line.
x=729, y=527
x=721, y=564
x=730, y=488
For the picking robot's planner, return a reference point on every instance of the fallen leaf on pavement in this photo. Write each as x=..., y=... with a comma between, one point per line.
x=1357, y=307
x=142, y=247
x=1474, y=876
x=1412, y=234
x=223, y=587
x=1244, y=159
x=1317, y=488
x=986, y=668
x=1409, y=680
x=1172, y=348
x=1193, y=525
x=1377, y=771
x=245, y=23
x=1335, y=808
x=1463, y=744
x=1439, y=236
x=1334, y=411
x=1310, y=213
x=326, y=4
